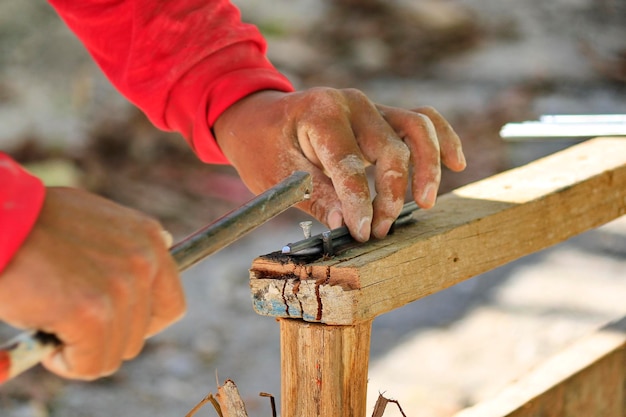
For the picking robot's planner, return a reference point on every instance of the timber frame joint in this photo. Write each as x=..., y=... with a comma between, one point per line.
x=326, y=307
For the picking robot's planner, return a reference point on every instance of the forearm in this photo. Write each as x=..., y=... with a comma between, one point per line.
x=21, y=198
x=182, y=62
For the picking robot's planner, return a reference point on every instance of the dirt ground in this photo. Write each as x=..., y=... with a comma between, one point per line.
x=482, y=63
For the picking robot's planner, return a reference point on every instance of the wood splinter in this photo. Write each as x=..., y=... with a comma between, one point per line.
x=381, y=405
x=227, y=402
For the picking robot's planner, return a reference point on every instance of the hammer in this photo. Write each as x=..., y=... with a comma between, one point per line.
x=28, y=349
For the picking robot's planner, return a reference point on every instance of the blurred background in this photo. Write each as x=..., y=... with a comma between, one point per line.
x=482, y=63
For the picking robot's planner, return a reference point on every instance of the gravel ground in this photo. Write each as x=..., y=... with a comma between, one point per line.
x=436, y=355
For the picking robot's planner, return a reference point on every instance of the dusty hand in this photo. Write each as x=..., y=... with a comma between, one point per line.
x=335, y=134
x=98, y=276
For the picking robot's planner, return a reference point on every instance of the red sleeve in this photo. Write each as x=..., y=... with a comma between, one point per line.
x=183, y=62
x=21, y=197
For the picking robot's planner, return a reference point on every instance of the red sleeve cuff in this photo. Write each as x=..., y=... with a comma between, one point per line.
x=227, y=91
x=206, y=97
x=21, y=198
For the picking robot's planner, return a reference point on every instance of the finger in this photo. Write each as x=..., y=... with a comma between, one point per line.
x=130, y=297
x=139, y=313
x=168, y=300
x=84, y=354
x=151, y=266
x=451, y=149
x=324, y=203
x=334, y=144
x=383, y=147
x=420, y=135
x=75, y=364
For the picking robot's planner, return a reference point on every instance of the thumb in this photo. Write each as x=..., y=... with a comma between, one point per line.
x=57, y=364
x=324, y=203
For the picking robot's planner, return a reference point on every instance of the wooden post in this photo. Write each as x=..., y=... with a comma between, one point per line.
x=326, y=307
x=323, y=368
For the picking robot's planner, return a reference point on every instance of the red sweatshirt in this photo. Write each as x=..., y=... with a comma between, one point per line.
x=182, y=62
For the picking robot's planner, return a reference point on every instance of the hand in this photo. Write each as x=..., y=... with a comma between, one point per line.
x=335, y=134
x=97, y=275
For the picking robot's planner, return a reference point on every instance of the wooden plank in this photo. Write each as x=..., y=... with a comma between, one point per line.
x=586, y=380
x=323, y=369
x=470, y=231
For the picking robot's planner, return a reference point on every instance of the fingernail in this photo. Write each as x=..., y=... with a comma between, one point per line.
x=461, y=157
x=365, y=227
x=335, y=219
x=167, y=238
x=382, y=228
x=429, y=195
x=59, y=364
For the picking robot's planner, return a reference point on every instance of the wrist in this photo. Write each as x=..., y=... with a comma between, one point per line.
x=242, y=117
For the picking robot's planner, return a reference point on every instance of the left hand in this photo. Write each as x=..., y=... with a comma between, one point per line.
x=95, y=274
x=334, y=134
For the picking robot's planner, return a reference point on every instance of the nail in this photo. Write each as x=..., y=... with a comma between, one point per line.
x=167, y=238
x=429, y=195
x=460, y=156
x=365, y=227
x=306, y=228
x=382, y=228
x=327, y=242
x=59, y=364
x=335, y=218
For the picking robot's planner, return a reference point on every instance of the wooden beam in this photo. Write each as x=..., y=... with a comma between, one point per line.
x=586, y=380
x=470, y=231
x=323, y=369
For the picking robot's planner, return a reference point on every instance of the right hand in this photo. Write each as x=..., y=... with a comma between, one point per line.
x=334, y=134
x=97, y=275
